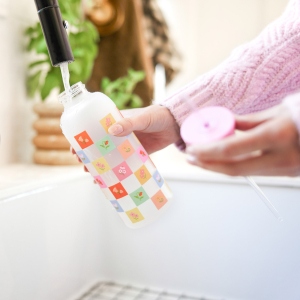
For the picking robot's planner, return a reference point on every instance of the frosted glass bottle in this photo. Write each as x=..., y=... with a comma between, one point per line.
x=120, y=165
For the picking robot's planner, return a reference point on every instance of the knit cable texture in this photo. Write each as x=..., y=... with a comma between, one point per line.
x=257, y=75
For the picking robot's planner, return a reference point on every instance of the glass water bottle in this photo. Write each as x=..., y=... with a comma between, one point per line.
x=120, y=165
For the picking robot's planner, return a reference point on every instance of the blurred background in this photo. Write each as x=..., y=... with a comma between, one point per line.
x=183, y=38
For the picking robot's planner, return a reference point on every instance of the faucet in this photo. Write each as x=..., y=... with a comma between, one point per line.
x=54, y=29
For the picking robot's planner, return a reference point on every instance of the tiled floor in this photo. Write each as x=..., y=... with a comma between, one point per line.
x=114, y=291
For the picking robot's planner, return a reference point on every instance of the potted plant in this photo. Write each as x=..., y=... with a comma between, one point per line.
x=121, y=90
x=52, y=147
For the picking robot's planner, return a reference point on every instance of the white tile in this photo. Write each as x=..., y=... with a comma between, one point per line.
x=134, y=162
x=167, y=191
x=127, y=203
x=117, y=140
x=96, y=131
x=92, y=170
x=92, y=152
x=151, y=168
x=148, y=209
x=131, y=184
x=114, y=158
x=125, y=218
x=110, y=178
x=108, y=194
x=134, y=141
x=151, y=187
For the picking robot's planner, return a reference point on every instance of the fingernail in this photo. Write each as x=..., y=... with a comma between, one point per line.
x=192, y=159
x=115, y=129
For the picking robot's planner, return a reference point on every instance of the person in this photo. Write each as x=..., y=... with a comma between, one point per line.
x=252, y=83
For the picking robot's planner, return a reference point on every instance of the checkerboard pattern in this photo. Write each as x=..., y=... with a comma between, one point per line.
x=123, y=170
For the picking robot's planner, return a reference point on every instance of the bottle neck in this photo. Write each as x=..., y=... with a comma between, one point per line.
x=76, y=94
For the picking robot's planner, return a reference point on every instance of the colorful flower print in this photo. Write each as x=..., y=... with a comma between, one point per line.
x=122, y=171
x=108, y=122
x=116, y=205
x=139, y=195
x=118, y=191
x=100, y=166
x=84, y=140
x=105, y=145
x=83, y=157
x=142, y=174
x=99, y=181
x=135, y=216
x=159, y=199
x=126, y=149
x=142, y=153
x=158, y=179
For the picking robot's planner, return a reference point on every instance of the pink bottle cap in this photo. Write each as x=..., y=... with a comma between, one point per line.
x=207, y=125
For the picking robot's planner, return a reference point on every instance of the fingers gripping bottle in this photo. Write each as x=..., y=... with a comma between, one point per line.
x=120, y=165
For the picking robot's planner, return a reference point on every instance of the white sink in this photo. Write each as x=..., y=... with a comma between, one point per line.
x=59, y=235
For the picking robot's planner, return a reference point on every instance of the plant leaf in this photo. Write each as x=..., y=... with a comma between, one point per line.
x=39, y=62
x=33, y=83
x=136, y=101
x=51, y=81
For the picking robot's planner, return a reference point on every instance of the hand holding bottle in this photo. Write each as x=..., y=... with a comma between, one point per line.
x=154, y=126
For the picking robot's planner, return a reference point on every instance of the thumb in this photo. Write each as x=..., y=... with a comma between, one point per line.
x=127, y=125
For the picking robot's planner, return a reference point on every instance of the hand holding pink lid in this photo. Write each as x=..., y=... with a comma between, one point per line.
x=211, y=124
x=207, y=125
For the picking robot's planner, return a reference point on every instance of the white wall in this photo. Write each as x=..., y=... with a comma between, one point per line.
x=206, y=31
x=16, y=114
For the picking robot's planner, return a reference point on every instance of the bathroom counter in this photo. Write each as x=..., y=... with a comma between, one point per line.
x=17, y=179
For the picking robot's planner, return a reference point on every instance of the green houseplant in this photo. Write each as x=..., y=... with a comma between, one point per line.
x=121, y=90
x=43, y=78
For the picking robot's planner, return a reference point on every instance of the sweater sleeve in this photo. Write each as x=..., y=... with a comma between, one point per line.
x=256, y=76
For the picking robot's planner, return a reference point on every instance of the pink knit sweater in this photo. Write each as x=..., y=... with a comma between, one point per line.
x=256, y=76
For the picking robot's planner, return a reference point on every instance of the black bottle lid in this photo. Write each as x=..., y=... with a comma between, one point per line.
x=41, y=4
